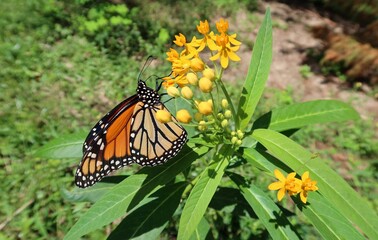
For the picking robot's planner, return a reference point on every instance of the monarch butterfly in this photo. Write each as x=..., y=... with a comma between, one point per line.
x=130, y=134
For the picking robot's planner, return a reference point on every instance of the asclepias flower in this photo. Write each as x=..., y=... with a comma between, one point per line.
x=307, y=185
x=288, y=184
x=225, y=50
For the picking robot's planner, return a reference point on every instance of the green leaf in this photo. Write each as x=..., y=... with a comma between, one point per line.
x=302, y=114
x=267, y=211
x=202, y=192
x=262, y=161
x=150, y=218
x=94, y=193
x=331, y=185
x=66, y=146
x=202, y=231
x=329, y=222
x=126, y=195
x=257, y=73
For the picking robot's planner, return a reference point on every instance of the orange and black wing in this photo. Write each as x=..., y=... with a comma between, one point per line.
x=107, y=147
x=153, y=142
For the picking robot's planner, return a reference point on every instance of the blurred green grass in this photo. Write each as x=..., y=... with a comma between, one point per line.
x=56, y=79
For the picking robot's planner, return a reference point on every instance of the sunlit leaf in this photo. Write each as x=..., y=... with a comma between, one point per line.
x=257, y=73
x=303, y=114
x=202, y=192
x=66, y=146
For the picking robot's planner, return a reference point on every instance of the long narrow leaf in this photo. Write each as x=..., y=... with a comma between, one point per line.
x=202, y=231
x=268, y=212
x=331, y=185
x=302, y=114
x=202, y=192
x=257, y=73
x=130, y=192
x=329, y=222
x=66, y=146
x=150, y=218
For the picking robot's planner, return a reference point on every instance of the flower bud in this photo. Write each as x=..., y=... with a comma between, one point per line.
x=163, y=116
x=192, y=78
x=186, y=92
x=240, y=134
x=205, y=108
x=224, y=103
x=205, y=85
x=227, y=114
x=209, y=74
x=220, y=116
x=238, y=142
x=197, y=65
x=234, y=140
x=202, y=126
x=210, y=101
x=233, y=133
x=183, y=116
x=173, y=91
x=224, y=123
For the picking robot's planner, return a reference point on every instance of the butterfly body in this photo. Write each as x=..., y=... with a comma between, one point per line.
x=129, y=134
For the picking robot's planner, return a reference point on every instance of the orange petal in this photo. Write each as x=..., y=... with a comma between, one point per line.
x=233, y=56
x=291, y=175
x=303, y=196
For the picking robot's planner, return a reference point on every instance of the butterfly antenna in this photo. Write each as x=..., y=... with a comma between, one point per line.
x=145, y=66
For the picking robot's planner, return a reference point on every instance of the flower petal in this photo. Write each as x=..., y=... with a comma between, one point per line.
x=305, y=175
x=233, y=56
x=291, y=175
x=276, y=185
x=279, y=175
x=303, y=196
x=281, y=194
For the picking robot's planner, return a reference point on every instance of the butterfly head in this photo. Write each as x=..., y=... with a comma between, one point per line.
x=147, y=95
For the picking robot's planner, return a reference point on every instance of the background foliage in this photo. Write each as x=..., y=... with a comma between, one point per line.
x=65, y=63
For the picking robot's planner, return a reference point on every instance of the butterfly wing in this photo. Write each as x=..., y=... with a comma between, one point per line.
x=107, y=146
x=153, y=142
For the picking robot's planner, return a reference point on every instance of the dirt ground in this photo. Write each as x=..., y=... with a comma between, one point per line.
x=292, y=39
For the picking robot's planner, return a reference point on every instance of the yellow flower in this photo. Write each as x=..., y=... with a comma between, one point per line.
x=205, y=108
x=163, y=116
x=183, y=116
x=192, y=78
x=205, y=85
x=222, y=26
x=225, y=50
x=190, y=48
x=172, y=55
x=181, y=66
x=186, y=92
x=307, y=185
x=196, y=64
x=173, y=91
x=289, y=184
x=209, y=73
x=167, y=82
x=204, y=29
x=181, y=81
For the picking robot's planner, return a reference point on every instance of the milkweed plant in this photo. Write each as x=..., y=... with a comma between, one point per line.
x=222, y=134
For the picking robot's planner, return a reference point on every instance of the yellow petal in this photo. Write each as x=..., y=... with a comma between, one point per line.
x=303, y=196
x=224, y=60
x=279, y=175
x=233, y=56
x=275, y=186
x=215, y=57
x=280, y=194
x=305, y=176
x=291, y=175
